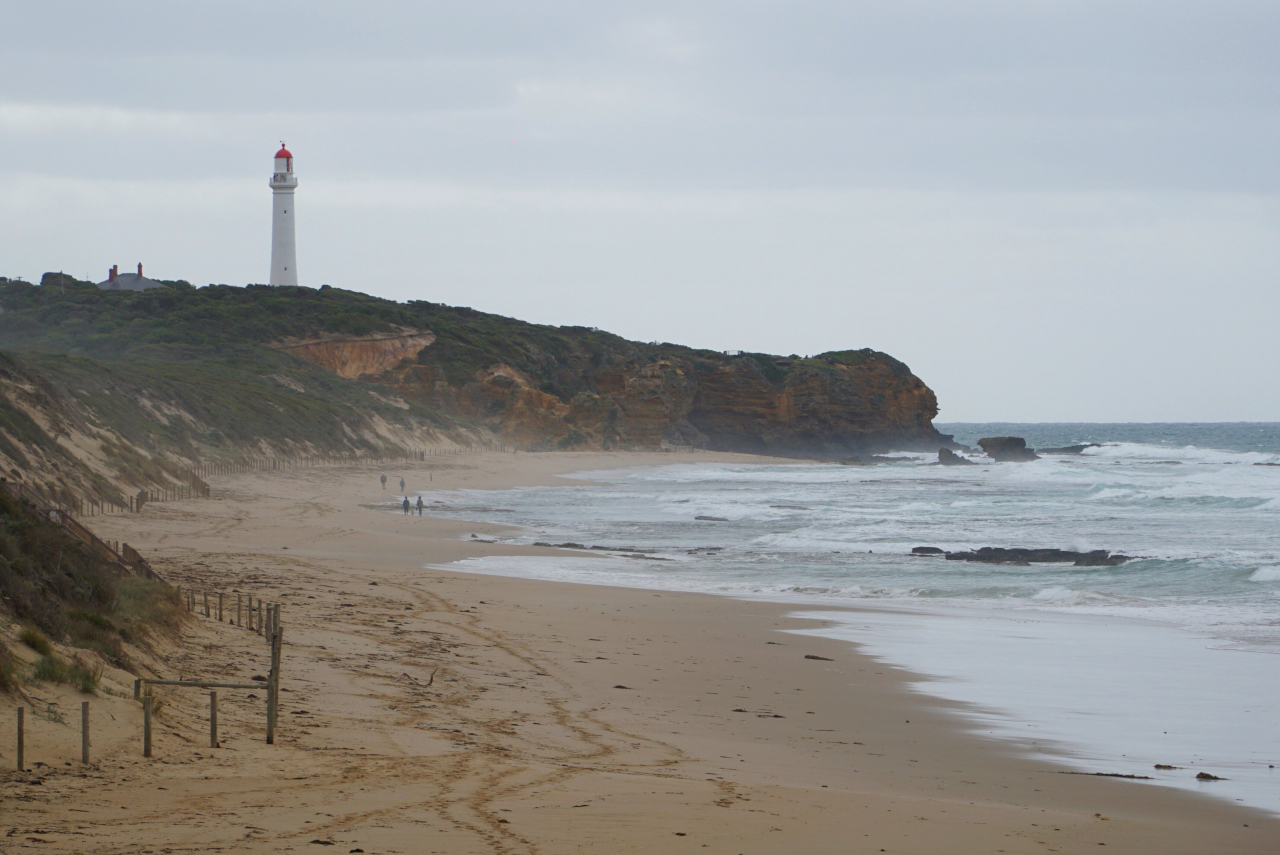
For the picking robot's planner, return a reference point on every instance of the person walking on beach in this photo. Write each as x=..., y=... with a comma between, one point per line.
x=406, y=504
x=419, y=506
x=401, y=485
x=384, y=480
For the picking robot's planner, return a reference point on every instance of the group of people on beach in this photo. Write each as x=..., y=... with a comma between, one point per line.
x=407, y=507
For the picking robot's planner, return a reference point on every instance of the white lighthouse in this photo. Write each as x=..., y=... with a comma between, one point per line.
x=284, y=254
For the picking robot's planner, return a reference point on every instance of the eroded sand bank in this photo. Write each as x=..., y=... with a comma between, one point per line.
x=438, y=712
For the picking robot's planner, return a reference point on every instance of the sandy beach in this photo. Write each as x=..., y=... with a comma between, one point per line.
x=430, y=711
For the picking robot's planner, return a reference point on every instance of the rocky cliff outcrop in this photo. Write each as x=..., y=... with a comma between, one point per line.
x=229, y=365
x=636, y=397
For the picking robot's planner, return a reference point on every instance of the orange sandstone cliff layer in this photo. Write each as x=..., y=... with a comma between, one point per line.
x=353, y=356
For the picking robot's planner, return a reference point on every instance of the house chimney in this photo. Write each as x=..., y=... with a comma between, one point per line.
x=139, y=269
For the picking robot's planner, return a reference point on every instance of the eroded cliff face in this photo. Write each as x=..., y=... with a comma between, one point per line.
x=821, y=408
x=833, y=405
x=354, y=356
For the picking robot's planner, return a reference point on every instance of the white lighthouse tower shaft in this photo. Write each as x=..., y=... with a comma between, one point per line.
x=284, y=253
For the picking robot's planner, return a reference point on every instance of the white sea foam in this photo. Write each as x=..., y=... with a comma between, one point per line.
x=1135, y=451
x=1204, y=530
x=1063, y=596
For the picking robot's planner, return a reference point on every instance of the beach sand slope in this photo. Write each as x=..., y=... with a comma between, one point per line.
x=426, y=711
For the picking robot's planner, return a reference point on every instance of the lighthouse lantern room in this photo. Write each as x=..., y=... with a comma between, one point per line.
x=284, y=255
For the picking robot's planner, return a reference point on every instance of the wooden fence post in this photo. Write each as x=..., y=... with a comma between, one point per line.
x=260, y=616
x=21, y=738
x=238, y=609
x=146, y=726
x=137, y=690
x=273, y=685
x=206, y=603
x=213, y=719
x=219, y=607
x=84, y=732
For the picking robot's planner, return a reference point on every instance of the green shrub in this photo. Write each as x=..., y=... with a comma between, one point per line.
x=94, y=632
x=36, y=640
x=768, y=368
x=50, y=669
x=86, y=677
x=146, y=604
x=96, y=620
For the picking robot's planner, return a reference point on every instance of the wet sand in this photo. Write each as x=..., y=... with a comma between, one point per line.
x=430, y=711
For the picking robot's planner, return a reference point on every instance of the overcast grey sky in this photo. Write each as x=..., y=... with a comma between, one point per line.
x=1059, y=211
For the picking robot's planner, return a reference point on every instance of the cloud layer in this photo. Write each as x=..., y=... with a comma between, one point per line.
x=1050, y=210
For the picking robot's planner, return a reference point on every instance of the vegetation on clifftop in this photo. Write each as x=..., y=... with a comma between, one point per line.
x=186, y=374
x=69, y=316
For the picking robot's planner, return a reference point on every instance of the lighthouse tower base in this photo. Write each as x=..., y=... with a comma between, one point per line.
x=284, y=253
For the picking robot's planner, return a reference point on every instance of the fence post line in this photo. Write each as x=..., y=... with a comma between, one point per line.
x=213, y=719
x=21, y=738
x=146, y=726
x=84, y=732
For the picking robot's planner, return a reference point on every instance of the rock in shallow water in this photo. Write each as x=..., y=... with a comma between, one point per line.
x=947, y=457
x=1008, y=449
x=992, y=555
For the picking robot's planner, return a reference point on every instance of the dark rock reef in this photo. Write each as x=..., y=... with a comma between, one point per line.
x=993, y=555
x=1069, y=449
x=1008, y=449
x=947, y=457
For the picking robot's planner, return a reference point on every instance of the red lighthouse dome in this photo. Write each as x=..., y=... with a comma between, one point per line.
x=284, y=152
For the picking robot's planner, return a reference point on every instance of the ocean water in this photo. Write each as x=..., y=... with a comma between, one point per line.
x=1172, y=658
